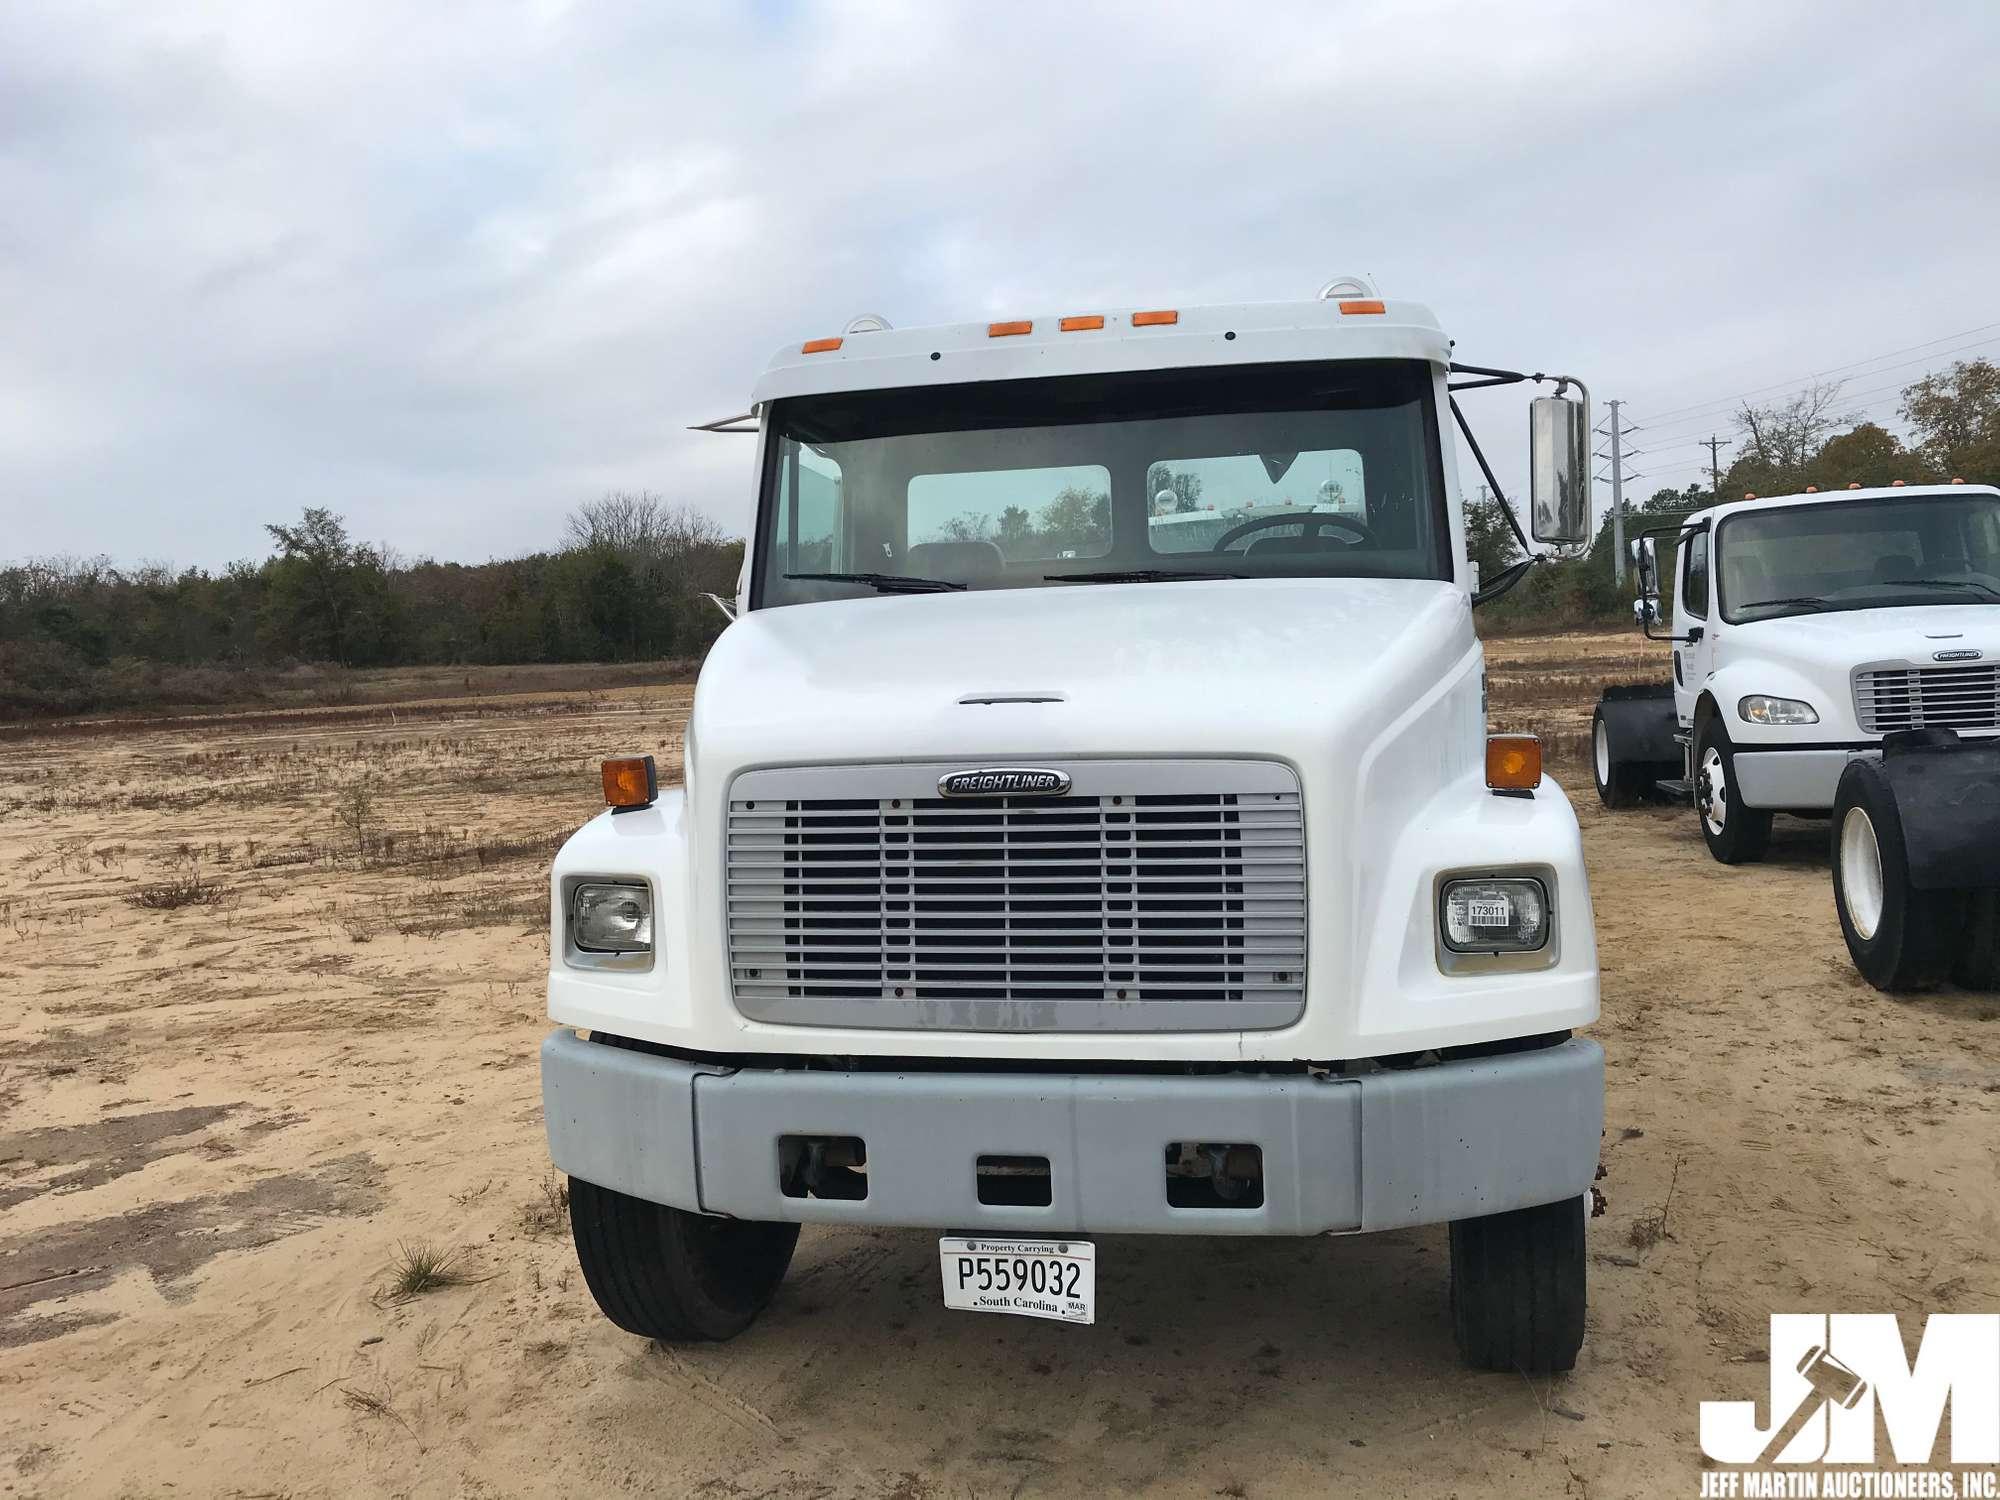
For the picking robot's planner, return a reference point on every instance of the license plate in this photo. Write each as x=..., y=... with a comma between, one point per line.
x=1028, y=1278
x=1488, y=914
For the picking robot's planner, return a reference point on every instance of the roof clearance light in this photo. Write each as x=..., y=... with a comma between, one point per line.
x=1008, y=330
x=1162, y=318
x=1363, y=305
x=1812, y=489
x=1895, y=484
x=1749, y=494
x=1958, y=481
x=1854, y=484
x=1082, y=323
x=819, y=346
x=1513, y=762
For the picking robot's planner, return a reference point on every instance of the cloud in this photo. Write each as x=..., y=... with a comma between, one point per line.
x=452, y=269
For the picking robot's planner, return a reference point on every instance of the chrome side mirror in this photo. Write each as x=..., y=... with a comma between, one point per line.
x=1646, y=612
x=1559, y=469
x=1645, y=563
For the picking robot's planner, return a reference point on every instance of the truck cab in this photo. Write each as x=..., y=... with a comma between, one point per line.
x=1807, y=629
x=1090, y=826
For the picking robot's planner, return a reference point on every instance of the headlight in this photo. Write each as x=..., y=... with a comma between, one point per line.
x=611, y=918
x=1495, y=914
x=1757, y=709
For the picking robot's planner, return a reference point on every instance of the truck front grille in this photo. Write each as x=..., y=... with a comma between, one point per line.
x=1891, y=698
x=1157, y=896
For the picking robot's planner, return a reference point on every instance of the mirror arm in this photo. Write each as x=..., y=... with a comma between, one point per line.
x=1494, y=484
x=1505, y=582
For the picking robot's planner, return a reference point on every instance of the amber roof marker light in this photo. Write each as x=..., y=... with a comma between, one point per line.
x=1010, y=330
x=1162, y=317
x=1363, y=305
x=819, y=346
x=1081, y=322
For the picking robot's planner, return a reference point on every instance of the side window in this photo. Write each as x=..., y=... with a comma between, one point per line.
x=1694, y=581
x=809, y=510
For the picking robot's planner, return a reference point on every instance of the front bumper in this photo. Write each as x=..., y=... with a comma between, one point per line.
x=1782, y=779
x=1340, y=1154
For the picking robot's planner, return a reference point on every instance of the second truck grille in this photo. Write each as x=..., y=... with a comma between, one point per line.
x=1887, y=699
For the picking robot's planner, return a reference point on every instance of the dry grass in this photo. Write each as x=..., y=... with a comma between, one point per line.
x=547, y=1212
x=420, y=1269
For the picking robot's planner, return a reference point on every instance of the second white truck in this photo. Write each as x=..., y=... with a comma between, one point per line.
x=1836, y=654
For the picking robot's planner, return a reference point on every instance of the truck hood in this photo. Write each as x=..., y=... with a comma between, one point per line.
x=1273, y=667
x=1854, y=637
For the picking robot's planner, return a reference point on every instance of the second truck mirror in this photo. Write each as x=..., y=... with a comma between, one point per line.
x=1559, y=470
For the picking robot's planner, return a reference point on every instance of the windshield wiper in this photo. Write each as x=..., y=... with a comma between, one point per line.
x=1942, y=583
x=885, y=583
x=1134, y=575
x=1807, y=601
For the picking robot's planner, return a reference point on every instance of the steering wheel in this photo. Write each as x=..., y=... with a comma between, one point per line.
x=1310, y=523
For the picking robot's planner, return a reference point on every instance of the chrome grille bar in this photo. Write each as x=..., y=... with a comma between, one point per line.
x=1887, y=699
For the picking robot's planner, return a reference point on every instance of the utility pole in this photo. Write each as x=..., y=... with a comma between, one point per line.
x=1714, y=467
x=1617, y=500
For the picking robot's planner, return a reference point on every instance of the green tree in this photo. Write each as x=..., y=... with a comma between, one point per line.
x=1868, y=455
x=327, y=598
x=1956, y=416
x=1489, y=540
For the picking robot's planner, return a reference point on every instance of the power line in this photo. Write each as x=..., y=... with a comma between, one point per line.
x=1686, y=425
x=1819, y=374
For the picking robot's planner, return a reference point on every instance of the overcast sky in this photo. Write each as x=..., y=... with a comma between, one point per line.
x=451, y=269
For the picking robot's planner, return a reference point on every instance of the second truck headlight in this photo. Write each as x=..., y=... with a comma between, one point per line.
x=1494, y=914
x=1758, y=709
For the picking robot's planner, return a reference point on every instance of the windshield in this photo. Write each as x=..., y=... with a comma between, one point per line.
x=1860, y=554
x=1321, y=470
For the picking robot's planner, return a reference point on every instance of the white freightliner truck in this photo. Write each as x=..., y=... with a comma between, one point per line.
x=1836, y=653
x=1090, y=827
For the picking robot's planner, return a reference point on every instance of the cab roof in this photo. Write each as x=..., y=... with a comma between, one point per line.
x=1092, y=342
x=1714, y=513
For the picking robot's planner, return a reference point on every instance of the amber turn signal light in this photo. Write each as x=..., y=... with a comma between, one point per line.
x=630, y=782
x=1513, y=762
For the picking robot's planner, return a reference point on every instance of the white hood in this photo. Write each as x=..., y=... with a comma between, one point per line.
x=1280, y=668
x=1854, y=637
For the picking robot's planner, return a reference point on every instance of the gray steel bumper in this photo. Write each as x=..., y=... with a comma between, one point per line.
x=1791, y=778
x=1380, y=1151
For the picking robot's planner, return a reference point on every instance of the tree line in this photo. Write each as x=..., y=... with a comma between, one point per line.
x=1781, y=448
x=626, y=583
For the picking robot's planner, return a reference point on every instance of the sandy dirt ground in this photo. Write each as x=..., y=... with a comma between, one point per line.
x=224, y=1122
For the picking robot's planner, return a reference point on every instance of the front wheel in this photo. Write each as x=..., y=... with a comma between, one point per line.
x=1517, y=1288
x=664, y=1273
x=1735, y=834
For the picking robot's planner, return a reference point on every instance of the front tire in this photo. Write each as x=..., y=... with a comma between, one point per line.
x=664, y=1273
x=1900, y=938
x=1517, y=1288
x=1735, y=834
